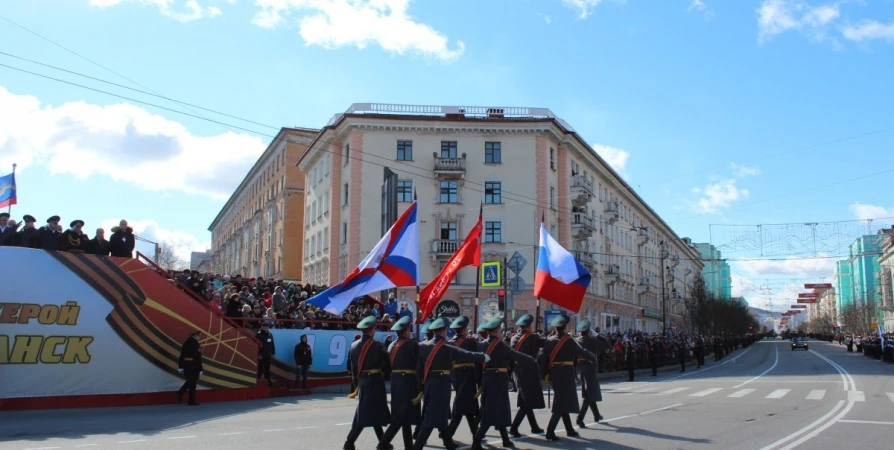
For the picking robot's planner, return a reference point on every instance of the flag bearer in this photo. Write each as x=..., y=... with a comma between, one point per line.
x=369, y=363
x=589, y=377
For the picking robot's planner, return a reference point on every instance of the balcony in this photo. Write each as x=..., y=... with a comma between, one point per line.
x=445, y=246
x=612, y=273
x=642, y=236
x=644, y=285
x=612, y=212
x=585, y=258
x=581, y=225
x=450, y=167
x=581, y=190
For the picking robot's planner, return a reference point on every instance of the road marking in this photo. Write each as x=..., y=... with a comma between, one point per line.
x=132, y=442
x=891, y=396
x=86, y=445
x=844, y=379
x=806, y=428
x=673, y=391
x=706, y=392
x=778, y=393
x=741, y=393
x=868, y=422
x=305, y=428
x=273, y=430
x=712, y=367
x=775, y=362
x=856, y=396
x=816, y=394
x=342, y=424
x=42, y=448
x=232, y=433
x=181, y=437
x=821, y=428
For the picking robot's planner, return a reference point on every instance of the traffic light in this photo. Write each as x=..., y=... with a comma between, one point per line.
x=501, y=299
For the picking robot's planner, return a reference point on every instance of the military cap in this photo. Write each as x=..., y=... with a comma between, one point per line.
x=4, y=215
x=584, y=325
x=76, y=223
x=437, y=324
x=460, y=322
x=29, y=218
x=367, y=322
x=560, y=321
x=401, y=324
x=481, y=328
x=524, y=320
x=424, y=329
x=53, y=219
x=492, y=324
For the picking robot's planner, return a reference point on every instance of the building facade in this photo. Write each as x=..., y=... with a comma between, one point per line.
x=259, y=231
x=864, y=264
x=716, y=271
x=843, y=290
x=886, y=279
x=521, y=164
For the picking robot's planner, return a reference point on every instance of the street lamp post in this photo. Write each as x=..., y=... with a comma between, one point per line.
x=664, y=254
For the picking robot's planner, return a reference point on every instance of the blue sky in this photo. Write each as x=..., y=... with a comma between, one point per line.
x=717, y=112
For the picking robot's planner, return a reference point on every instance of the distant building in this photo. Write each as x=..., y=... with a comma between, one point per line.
x=844, y=294
x=197, y=258
x=886, y=278
x=857, y=279
x=716, y=272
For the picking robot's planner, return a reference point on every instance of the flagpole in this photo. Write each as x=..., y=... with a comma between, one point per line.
x=417, y=277
x=9, y=208
x=537, y=255
x=478, y=269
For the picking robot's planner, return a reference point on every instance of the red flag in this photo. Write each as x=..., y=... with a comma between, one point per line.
x=468, y=254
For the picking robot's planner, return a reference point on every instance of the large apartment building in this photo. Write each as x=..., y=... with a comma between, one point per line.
x=521, y=164
x=259, y=231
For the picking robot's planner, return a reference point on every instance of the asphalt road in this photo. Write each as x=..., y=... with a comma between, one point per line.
x=765, y=397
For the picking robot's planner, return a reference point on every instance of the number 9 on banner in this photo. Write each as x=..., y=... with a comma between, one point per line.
x=337, y=350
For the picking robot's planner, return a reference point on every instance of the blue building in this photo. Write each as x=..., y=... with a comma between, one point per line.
x=716, y=271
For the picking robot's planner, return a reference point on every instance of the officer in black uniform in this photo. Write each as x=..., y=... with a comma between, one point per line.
x=426, y=336
x=589, y=373
x=190, y=365
x=369, y=363
x=436, y=359
x=699, y=352
x=654, y=351
x=495, y=408
x=530, y=391
x=465, y=379
x=402, y=354
x=559, y=354
x=268, y=349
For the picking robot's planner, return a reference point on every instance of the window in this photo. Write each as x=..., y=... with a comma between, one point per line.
x=493, y=192
x=344, y=233
x=313, y=245
x=448, y=149
x=325, y=239
x=307, y=216
x=405, y=190
x=344, y=201
x=404, y=150
x=492, y=153
x=552, y=198
x=346, y=155
x=306, y=247
x=326, y=202
x=575, y=169
x=449, y=192
x=552, y=158
x=493, y=232
x=448, y=231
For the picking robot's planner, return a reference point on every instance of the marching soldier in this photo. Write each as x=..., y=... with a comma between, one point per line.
x=589, y=377
x=434, y=363
x=654, y=348
x=496, y=411
x=465, y=380
x=530, y=391
x=427, y=335
x=560, y=352
x=403, y=354
x=190, y=365
x=369, y=362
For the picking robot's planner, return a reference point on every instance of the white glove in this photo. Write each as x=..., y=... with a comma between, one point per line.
x=486, y=358
x=180, y=370
x=202, y=373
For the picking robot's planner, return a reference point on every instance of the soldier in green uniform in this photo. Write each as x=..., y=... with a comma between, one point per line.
x=369, y=363
x=465, y=379
x=426, y=336
x=589, y=373
x=433, y=366
x=495, y=408
x=560, y=352
x=403, y=354
x=527, y=376
x=190, y=365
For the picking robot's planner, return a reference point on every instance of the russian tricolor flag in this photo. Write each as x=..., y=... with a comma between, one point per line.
x=560, y=279
x=394, y=262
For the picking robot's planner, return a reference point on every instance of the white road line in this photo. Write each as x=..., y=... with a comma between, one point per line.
x=778, y=393
x=844, y=378
x=132, y=442
x=673, y=391
x=86, y=445
x=775, y=362
x=273, y=430
x=342, y=424
x=709, y=368
x=820, y=429
x=42, y=448
x=305, y=428
x=816, y=394
x=868, y=422
x=806, y=428
x=741, y=393
x=856, y=396
x=891, y=396
x=232, y=433
x=706, y=392
x=181, y=437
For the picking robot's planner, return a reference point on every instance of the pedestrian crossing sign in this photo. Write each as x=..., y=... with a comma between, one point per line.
x=490, y=274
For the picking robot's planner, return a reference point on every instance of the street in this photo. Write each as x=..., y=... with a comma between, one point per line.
x=765, y=397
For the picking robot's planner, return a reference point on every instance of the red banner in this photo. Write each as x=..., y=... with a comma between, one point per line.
x=807, y=300
x=806, y=295
x=799, y=306
x=818, y=286
x=468, y=254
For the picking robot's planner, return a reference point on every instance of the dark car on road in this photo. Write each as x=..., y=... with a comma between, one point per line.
x=799, y=343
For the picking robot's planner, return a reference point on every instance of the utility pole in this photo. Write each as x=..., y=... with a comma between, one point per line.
x=664, y=254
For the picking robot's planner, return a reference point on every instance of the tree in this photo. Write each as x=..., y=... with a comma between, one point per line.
x=857, y=318
x=711, y=315
x=168, y=259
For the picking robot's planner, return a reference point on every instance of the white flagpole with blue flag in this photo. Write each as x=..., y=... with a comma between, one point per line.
x=8, y=190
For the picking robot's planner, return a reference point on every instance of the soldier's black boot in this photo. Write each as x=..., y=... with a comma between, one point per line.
x=532, y=420
x=551, y=427
x=580, y=418
x=569, y=428
x=507, y=443
x=478, y=437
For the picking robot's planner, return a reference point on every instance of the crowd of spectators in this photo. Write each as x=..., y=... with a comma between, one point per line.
x=874, y=346
x=53, y=237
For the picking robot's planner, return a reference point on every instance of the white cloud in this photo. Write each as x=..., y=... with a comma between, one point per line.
x=615, y=157
x=187, y=12
x=812, y=268
x=866, y=212
x=546, y=18
x=696, y=5
x=742, y=171
x=719, y=195
x=333, y=24
x=869, y=30
x=584, y=8
x=182, y=243
x=124, y=142
x=779, y=16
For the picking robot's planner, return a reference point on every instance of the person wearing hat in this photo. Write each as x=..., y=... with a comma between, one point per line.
x=403, y=354
x=122, y=241
x=73, y=240
x=530, y=391
x=7, y=232
x=368, y=360
x=266, y=352
x=28, y=236
x=561, y=352
x=495, y=408
x=190, y=365
x=49, y=234
x=589, y=373
x=99, y=245
x=436, y=359
x=465, y=379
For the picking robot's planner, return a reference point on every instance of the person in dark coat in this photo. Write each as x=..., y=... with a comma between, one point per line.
x=560, y=352
x=369, y=364
x=402, y=354
x=49, y=234
x=303, y=360
x=527, y=377
x=28, y=237
x=73, y=240
x=8, y=237
x=99, y=245
x=190, y=365
x=268, y=349
x=630, y=359
x=591, y=393
x=699, y=352
x=682, y=350
x=654, y=350
x=122, y=241
x=464, y=377
x=495, y=407
x=433, y=366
